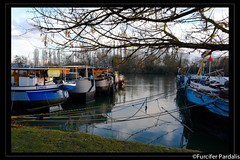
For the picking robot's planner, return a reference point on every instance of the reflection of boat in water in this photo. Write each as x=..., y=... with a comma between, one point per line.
x=33, y=89
x=181, y=83
x=210, y=114
x=210, y=110
x=202, y=141
x=80, y=83
x=74, y=117
x=197, y=140
x=121, y=81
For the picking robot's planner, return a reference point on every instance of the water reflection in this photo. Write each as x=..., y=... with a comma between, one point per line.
x=118, y=116
x=198, y=139
x=119, y=121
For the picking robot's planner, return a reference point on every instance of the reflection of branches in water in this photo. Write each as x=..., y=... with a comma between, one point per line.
x=146, y=100
x=81, y=112
x=127, y=118
x=145, y=129
x=134, y=134
x=59, y=119
x=149, y=98
x=163, y=135
x=184, y=137
x=158, y=118
x=136, y=112
x=110, y=129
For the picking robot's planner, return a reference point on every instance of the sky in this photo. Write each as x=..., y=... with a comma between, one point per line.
x=23, y=43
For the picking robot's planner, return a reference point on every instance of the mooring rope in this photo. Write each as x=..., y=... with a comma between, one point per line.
x=69, y=113
x=120, y=119
x=75, y=111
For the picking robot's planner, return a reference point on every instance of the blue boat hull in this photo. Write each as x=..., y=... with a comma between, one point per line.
x=209, y=114
x=32, y=100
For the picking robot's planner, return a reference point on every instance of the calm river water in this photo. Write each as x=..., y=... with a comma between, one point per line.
x=125, y=115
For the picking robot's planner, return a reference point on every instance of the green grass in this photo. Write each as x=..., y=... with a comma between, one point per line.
x=28, y=139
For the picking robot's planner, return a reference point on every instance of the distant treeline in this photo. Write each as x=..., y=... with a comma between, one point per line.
x=149, y=63
x=153, y=65
x=169, y=65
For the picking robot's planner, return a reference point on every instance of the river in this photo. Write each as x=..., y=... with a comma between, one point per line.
x=137, y=113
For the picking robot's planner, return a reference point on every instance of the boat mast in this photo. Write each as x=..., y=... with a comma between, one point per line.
x=210, y=63
x=86, y=69
x=44, y=83
x=76, y=71
x=205, y=54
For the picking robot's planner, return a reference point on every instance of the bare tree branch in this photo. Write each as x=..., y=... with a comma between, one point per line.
x=135, y=28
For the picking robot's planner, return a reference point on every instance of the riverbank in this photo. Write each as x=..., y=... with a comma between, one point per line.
x=29, y=139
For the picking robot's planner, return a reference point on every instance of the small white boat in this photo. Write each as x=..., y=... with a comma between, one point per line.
x=103, y=83
x=104, y=80
x=80, y=83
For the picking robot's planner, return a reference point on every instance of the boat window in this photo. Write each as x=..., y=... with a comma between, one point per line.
x=23, y=72
x=31, y=73
x=14, y=72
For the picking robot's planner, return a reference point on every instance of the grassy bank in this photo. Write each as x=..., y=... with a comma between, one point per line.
x=28, y=139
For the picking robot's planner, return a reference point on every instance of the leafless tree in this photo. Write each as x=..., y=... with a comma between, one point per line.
x=44, y=57
x=36, y=57
x=58, y=57
x=21, y=61
x=132, y=28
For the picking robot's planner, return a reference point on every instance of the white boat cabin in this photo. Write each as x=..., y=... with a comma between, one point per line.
x=35, y=76
x=80, y=71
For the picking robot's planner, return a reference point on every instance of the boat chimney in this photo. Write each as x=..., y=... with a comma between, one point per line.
x=86, y=70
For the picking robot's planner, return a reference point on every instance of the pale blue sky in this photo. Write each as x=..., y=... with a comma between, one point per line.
x=23, y=43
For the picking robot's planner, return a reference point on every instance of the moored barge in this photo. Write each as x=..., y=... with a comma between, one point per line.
x=33, y=89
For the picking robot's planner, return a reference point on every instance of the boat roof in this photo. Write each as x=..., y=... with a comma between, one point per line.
x=37, y=68
x=103, y=67
x=78, y=66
